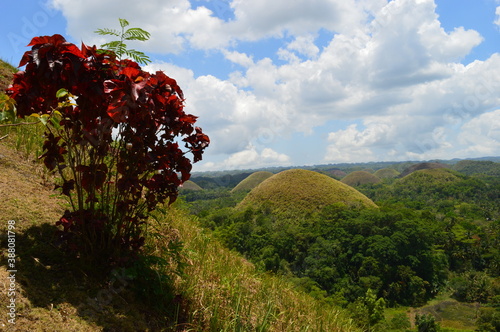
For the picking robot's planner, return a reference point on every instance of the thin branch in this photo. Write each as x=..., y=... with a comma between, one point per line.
x=18, y=124
x=1, y=138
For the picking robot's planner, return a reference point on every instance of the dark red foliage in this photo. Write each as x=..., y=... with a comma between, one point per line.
x=109, y=96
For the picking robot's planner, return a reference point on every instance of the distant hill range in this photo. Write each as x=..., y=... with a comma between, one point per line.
x=488, y=166
x=473, y=167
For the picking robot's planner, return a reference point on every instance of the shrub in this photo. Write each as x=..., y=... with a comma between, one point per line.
x=112, y=134
x=426, y=323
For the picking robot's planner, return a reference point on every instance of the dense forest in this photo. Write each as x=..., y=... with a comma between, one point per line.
x=436, y=231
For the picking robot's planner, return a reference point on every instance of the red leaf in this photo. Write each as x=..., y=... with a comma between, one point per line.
x=130, y=72
x=118, y=112
x=25, y=58
x=55, y=39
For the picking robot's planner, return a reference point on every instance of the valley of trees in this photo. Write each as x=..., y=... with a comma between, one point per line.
x=436, y=231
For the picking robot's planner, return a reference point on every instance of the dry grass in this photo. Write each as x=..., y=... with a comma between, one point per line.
x=386, y=173
x=421, y=166
x=358, y=178
x=431, y=175
x=252, y=181
x=190, y=185
x=297, y=192
x=224, y=292
x=220, y=291
x=6, y=72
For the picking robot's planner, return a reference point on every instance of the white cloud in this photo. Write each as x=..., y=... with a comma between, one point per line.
x=481, y=135
x=304, y=45
x=250, y=158
x=390, y=67
x=173, y=24
x=241, y=59
x=261, y=18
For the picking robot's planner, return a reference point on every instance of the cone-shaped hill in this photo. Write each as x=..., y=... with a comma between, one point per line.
x=431, y=176
x=337, y=173
x=420, y=166
x=358, y=178
x=386, y=173
x=252, y=181
x=190, y=185
x=297, y=192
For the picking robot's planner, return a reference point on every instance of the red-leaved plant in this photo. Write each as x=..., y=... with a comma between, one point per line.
x=113, y=135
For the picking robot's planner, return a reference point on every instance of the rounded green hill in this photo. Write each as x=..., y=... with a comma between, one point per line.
x=358, y=178
x=431, y=176
x=337, y=173
x=190, y=185
x=297, y=192
x=252, y=181
x=420, y=166
x=386, y=173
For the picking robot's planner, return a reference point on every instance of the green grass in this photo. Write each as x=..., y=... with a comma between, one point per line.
x=224, y=292
x=298, y=192
x=421, y=166
x=358, y=178
x=252, y=181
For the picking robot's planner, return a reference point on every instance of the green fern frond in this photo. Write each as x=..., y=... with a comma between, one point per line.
x=139, y=57
x=120, y=48
x=136, y=34
x=123, y=22
x=112, y=45
x=107, y=31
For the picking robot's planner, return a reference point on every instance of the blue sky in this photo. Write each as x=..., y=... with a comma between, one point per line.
x=323, y=81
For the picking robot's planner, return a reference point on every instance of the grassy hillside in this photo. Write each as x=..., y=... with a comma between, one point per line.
x=219, y=290
x=420, y=166
x=252, y=181
x=386, y=173
x=358, y=178
x=190, y=185
x=429, y=176
x=337, y=173
x=298, y=192
x=6, y=73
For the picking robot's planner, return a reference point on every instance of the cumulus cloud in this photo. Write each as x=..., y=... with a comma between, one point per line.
x=239, y=58
x=174, y=25
x=481, y=135
x=389, y=69
x=261, y=18
x=250, y=158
